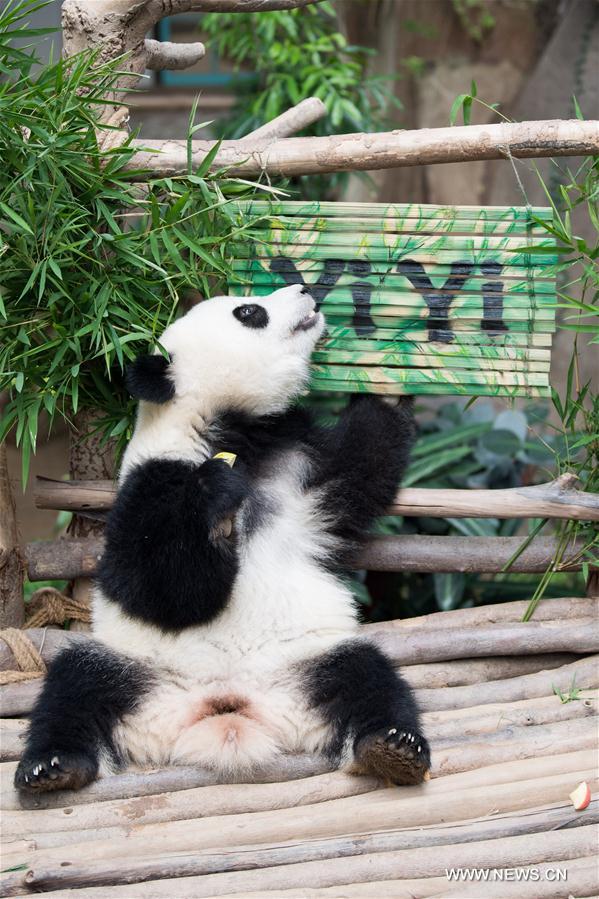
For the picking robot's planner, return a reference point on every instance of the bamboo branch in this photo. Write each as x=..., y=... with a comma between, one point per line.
x=556, y=499
x=295, y=119
x=168, y=55
x=295, y=156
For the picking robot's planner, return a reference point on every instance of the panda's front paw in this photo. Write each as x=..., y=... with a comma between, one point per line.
x=55, y=770
x=400, y=755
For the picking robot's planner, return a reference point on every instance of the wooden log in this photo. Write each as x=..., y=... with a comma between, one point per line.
x=581, y=880
x=146, y=783
x=413, y=645
x=12, y=732
x=72, y=558
x=516, y=743
x=584, y=674
x=556, y=499
x=17, y=699
x=372, y=812
x=433, y=861
x=12, y=607
x=230, y=859
x=48, y=640
x=89, y=819
x=444, y=674
x=548, y=610
x=293, y=120
x=294, y=156
x=65, y=559
x=499, y=716
x=424, y=553
x=464, y=672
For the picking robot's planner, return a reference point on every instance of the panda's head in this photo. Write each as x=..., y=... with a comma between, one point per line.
x=248, y=353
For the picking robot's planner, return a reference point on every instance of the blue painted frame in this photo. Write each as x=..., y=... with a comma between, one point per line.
x=214, y=78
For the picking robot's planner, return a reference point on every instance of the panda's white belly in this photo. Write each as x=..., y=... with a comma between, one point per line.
x=229, y=694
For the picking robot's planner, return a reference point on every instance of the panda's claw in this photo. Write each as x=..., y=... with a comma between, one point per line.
x=396, y=756
x=57, y=771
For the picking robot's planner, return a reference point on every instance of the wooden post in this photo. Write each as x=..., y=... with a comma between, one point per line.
x=12, y=610
x=88, y=458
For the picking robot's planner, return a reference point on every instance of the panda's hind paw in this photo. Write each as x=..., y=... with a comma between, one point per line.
x=55, y=770
x=398, y=755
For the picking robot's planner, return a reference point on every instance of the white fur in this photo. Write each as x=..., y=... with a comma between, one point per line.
x=285, y=608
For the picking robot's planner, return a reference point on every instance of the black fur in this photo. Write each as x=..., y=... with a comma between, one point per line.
x=357, y=465
x=255, y=439
x=360, y=464
x=87, y=690
x=359, y=694
x=166, y=560
x=147, y=379
x=251, y=315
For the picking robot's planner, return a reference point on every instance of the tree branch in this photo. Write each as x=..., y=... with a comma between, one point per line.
x=368, y=152
x=557, y=499
x=168, y=55
x=68, y=559
x=295, y=119
x=116, y=27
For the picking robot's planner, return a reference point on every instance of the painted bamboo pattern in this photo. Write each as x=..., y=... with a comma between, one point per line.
x=418, y=299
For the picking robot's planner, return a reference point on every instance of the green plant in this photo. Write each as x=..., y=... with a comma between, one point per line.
x=296, y=54
x=575, y=193
x=93, y=266
x=468, y=447
x=475, y=18
x=572, y=693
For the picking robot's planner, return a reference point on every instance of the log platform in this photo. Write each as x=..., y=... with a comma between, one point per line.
x=511, y=711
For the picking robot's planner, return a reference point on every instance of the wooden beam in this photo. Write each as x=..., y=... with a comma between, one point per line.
x=556, y=499
x=295, y=156
x=71, y=558
x=12, y=607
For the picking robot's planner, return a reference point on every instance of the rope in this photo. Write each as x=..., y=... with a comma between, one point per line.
x=48, y=606
x=26, y=655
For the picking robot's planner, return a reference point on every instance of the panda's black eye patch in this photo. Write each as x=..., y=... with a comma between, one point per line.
x=251, y=315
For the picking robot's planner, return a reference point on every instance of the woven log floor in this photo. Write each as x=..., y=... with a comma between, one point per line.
x=507, y=752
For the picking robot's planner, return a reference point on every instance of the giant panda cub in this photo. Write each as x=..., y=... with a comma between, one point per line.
x=224, y=636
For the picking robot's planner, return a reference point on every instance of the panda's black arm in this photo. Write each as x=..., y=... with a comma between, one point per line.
x=170, y=557
x=360, y=462
x=87, y=691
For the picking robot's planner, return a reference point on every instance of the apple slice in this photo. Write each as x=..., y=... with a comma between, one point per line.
x=581, y=796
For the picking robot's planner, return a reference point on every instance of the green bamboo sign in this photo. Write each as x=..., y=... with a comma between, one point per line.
x=418, y=299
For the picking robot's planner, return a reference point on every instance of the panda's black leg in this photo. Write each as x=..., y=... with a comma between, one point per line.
x=360, y=462
x=371, y=712
x=87, y=691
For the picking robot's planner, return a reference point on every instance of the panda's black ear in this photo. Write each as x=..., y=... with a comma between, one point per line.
x=148, y=379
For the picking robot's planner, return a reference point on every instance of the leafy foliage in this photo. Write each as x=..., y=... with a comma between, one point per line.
x=295, y=54
x=575, y=196
x=92, y=265
x=467, y=447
